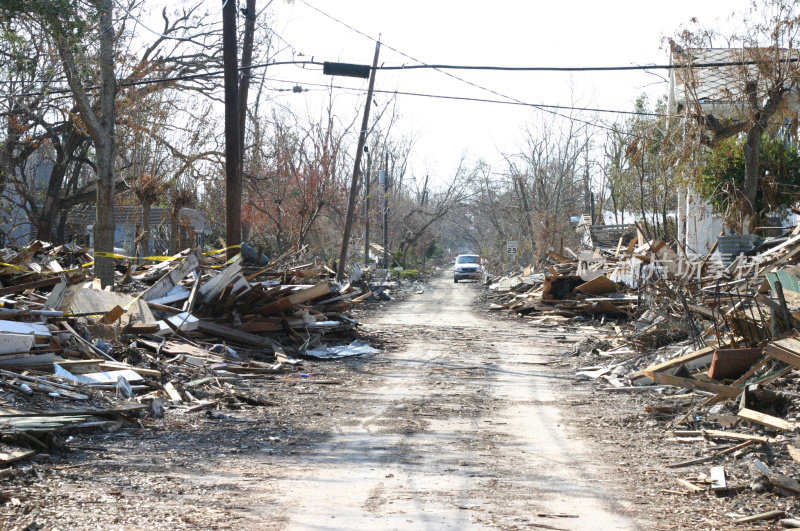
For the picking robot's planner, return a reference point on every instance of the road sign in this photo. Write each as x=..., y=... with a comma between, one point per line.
x=511, y=247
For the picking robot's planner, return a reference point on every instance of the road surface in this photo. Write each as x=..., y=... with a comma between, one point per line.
x=457, y=424
x=463, y=431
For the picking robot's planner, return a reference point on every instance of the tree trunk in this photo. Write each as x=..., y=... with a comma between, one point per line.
x=144, y=245
x=752, y=153
x=50, y=207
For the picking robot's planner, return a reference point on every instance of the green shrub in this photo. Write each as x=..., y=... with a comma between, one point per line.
x=409, y=274
x=722, y=176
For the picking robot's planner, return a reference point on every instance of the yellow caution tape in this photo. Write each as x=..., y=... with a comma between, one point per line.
x=220, y=251
x=102, y=254
x=229, y=262
x=14, y=266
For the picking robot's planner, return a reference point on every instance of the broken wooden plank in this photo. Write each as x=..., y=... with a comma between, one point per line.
x=52, y=281
x=246, y=338
x=299, y=297
x=213, y=287
x=101, y=412
x=766, y=420
x=719, y=482
x=736, y=436
x=11, y=454
x=724, y=390
x=173, y=393
x=691, y=487
x=692, y=360
x=768, y=515
x=785, y=350
x=172, y=278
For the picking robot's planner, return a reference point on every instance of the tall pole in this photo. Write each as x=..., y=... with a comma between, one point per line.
x=386, y=213
x=233, y=148
x=362, y=139
x=366, y=207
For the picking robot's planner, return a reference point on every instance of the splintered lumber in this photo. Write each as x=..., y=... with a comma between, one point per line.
x=172, y=278
x=692, y=360
x=298, y=297
x=781, y=481
x=691, y=487
x=769, y=515
x=100, y=412
x=667, y=379
x=52, y=281
x=766, y=420
x=173, y=393
x=785, y=350
x=11, y=454
x=246, y=338
x=735, y=436
x=211, y=289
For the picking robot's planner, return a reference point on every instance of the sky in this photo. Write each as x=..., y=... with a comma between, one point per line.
x=503, y=33
x=469, y=32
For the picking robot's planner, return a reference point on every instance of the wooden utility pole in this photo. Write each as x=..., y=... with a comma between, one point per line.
x=527, y=209
x=386, y=213
x=105, y=149
x=233, y=148
x=351, y=201
x=367, y=177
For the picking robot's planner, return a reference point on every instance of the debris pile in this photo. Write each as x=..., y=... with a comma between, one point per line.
x=710, y=343
x=188, y=332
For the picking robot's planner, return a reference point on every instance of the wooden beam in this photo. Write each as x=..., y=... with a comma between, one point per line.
x=52, y=281
x=667, y=379
x=766, y=420
x=697, y=358
x=298, y=297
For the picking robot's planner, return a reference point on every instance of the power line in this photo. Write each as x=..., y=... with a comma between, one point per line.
x=188, y=77
x=556, y=113
x=470, y=99
x=575, y=68
x=542, y=106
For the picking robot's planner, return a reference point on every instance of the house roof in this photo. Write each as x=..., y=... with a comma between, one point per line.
x=132, y=215
x=720, y=89
x=607, y=236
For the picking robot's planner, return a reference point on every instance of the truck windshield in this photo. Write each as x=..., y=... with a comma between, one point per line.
x=470, y=259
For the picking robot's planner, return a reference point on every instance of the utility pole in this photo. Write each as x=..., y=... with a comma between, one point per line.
x=386, y=213
x=366, y=208
x=524, y=195
x=233, y=148
x=362, y=139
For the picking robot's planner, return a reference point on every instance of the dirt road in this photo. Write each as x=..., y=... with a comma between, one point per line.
x=457, y=425
x=464, y=431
